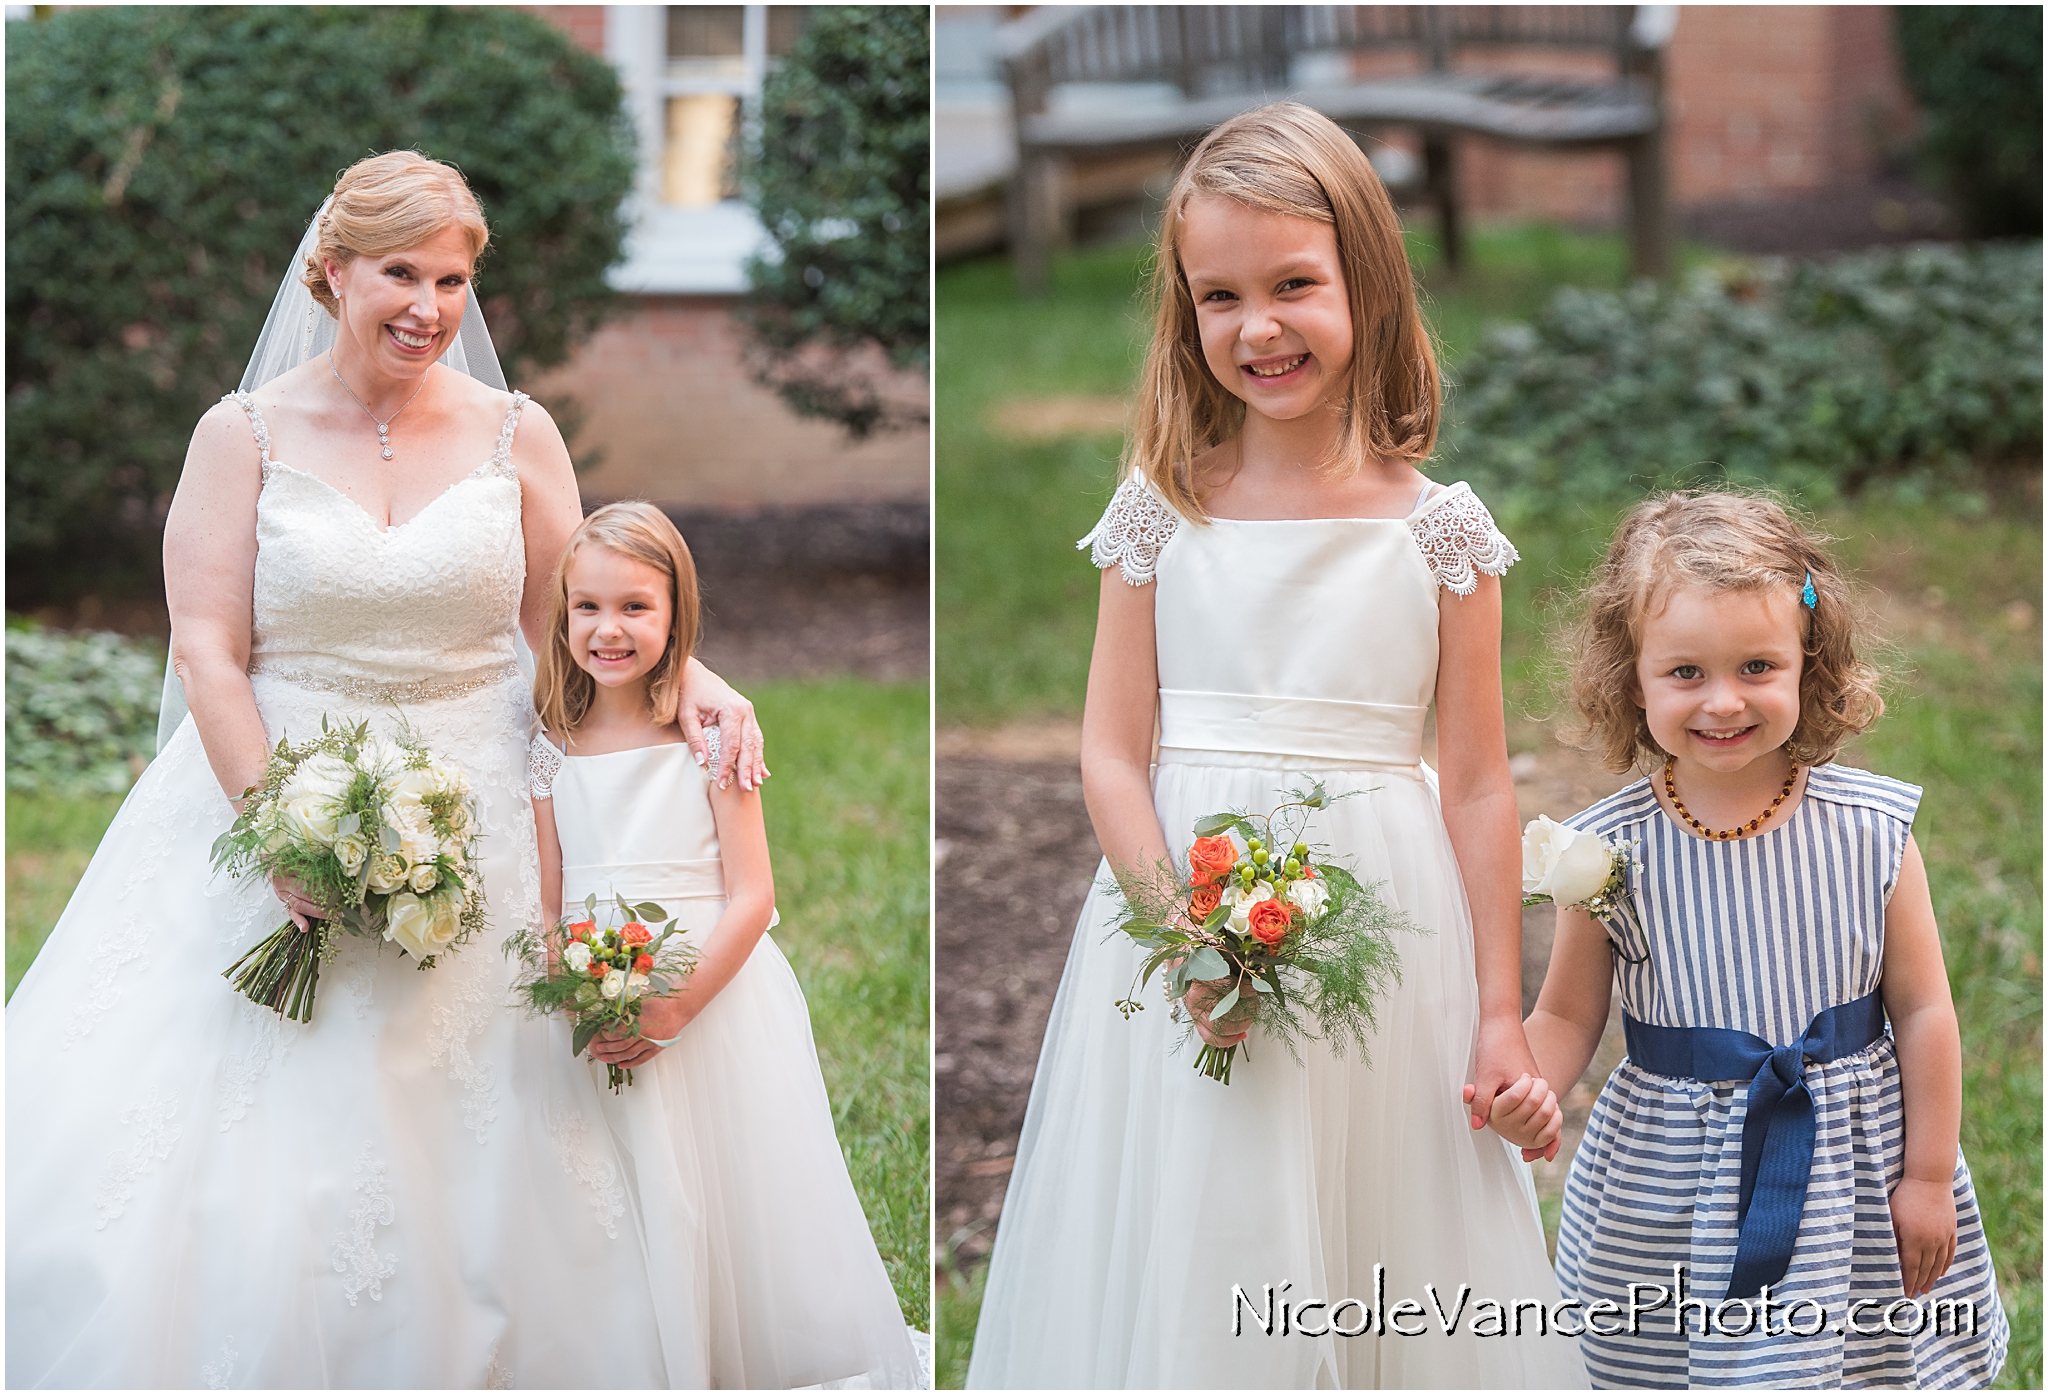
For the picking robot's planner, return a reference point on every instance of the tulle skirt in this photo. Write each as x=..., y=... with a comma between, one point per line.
x=1145, y=1198
x=421, y=1187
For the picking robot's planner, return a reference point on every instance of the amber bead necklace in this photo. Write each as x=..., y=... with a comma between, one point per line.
x=1723, y=835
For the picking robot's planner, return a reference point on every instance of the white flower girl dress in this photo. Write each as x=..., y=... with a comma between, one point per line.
x=729, y=1131
x=1143, y=1193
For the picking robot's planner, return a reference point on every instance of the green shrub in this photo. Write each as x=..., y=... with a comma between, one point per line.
x=161, y=166
x=1907, y=367
x=81, y=710
x=1976, y=72
x=841, y=179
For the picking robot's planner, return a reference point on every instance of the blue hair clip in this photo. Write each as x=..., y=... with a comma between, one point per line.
x=1807, y=596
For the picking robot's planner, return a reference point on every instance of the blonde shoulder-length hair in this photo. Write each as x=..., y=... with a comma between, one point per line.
x=562, y=689
x=1287, y=158
x=387, y=203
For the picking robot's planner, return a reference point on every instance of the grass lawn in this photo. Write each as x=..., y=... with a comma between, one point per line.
x=1958, y=596
x=848, y=819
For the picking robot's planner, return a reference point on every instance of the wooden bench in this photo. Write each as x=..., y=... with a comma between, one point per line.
x=1225, y=59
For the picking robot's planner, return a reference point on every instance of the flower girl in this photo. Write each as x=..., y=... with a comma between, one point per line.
x=1768, y=1158
x=1285, y=597
x=732, y=1180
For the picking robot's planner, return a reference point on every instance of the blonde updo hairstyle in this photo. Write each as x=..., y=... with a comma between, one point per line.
x=562, y=689
x=386, y=204
x=1718, y=542
x=1288, y=158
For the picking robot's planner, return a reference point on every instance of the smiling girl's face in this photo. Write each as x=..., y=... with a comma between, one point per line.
x=619, y=616
x=1717, y=674
x=1270, y=303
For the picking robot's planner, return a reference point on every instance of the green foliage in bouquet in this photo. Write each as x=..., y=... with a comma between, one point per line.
x=162, y=162
x=325, y=815
x=841, y=180
x=1907, y=370
x=1276, y=934
x=600, y=976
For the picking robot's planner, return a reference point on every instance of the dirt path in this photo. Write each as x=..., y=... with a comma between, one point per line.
x=1014, y=858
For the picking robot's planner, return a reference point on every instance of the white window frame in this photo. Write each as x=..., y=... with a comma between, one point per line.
x=671, y=250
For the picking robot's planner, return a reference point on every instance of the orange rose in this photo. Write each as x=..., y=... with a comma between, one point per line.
x=1212, y=857
x=643, y=964
x=1205, y=900
x=634, y=933
x=581, y=930
x=1270, y=923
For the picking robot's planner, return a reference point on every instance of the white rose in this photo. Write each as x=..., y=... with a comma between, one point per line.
x=312, y=817
x=387, y=872
x=1310, y=894
x=409, y=922
x=412, y=786
x=577, y=957
x=446, y=923
x=614, y=983
x=1568, y=865
x=636, y=984
x=423, y=877
x=351, y=848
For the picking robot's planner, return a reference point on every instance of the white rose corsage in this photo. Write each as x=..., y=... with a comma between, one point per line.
x=1574, y=868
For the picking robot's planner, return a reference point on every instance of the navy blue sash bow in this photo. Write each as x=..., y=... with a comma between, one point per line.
x=1778, y=1130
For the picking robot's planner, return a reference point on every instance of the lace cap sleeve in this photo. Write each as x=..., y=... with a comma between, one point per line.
x=1459, y=540
x=542, y=763
x=1134, y=529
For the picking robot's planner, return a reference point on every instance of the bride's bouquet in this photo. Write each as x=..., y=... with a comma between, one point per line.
x=376, y=828
x=600, y=976
x=1263, y=927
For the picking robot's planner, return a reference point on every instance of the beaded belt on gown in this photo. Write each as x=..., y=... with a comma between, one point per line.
x=377, y=690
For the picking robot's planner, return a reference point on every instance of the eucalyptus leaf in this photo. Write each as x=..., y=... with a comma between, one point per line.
x=1222, y=1006
x=1206, y=963
x=1215, y=824
x=586, y=1032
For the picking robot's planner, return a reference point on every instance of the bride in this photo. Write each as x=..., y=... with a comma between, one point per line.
x=416, y=1188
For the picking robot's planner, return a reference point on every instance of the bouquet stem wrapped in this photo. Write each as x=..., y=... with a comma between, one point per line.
x=378, y=829
x=1263, y=928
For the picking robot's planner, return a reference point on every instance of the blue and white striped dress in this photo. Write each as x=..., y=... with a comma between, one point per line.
x=1760, y=934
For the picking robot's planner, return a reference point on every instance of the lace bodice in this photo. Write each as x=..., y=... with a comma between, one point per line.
x=1302, y=637
x=426, y=609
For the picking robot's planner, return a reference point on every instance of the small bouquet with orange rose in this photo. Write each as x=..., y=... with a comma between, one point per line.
x=600, y=975
x=1264, y=928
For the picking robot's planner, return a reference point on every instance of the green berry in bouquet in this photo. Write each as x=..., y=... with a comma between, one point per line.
x=1299, y=947
x=600, y=976
x=374, y=828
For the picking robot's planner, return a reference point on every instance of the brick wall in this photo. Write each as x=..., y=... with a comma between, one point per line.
x=583, y=23
x=668, y=402
x=1763, y=102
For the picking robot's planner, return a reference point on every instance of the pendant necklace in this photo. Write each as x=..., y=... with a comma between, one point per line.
x=1723, y=835
x=383, y=427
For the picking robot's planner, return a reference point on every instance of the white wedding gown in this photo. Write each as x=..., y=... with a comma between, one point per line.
x=1288, y=652
x=420, y=1187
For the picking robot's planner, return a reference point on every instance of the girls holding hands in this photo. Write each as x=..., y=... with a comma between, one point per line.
x=727, y=1172
x=1284, y=597
x=1765, y=1130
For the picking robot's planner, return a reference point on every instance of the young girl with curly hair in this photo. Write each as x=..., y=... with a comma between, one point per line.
x=1770, y=1175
